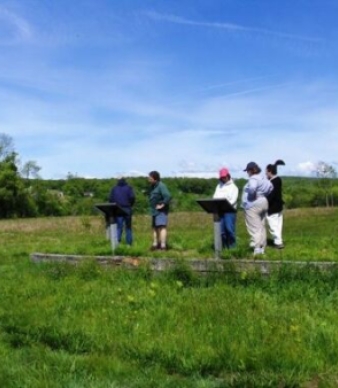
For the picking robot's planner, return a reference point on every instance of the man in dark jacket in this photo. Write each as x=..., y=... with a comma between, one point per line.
x=123, y=195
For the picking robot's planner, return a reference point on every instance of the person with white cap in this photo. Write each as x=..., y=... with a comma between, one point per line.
x=255, y=205
x=227, y=189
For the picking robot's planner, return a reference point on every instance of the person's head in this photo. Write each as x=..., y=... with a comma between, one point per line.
x=121, y=180
x=224, y=175
x=153, y=177
x=271, y=169
x=252, y=168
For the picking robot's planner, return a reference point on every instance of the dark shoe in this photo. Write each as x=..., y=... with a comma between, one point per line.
x=278, y=246
x=270, y=243
x=163, y=248
x=154, y=248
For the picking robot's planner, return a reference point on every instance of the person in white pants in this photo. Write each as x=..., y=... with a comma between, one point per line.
x=275, y=200
x=255, y=205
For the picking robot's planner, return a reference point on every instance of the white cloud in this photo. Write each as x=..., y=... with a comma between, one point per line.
x=212, y=133
x=307, y=168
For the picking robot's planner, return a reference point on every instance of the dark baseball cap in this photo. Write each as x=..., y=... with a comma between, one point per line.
x=251, y=166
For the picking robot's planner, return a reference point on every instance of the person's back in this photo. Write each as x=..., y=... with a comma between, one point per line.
x=256, y=187
x=123, y=195
x=259, y=186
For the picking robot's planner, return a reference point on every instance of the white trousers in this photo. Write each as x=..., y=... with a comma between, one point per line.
x=275, y=223
x=255, y=222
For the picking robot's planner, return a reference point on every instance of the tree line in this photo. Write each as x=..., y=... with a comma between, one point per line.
x=24, y=194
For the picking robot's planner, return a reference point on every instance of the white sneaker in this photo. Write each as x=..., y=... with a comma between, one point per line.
x=258, y=251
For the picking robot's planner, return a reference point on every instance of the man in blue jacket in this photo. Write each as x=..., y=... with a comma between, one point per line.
x=123, y=195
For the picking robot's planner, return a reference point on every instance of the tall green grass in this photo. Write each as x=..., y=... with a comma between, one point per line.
x=87, y=326
x=66, y=326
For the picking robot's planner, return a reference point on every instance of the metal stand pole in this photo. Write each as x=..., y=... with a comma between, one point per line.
x=113, y=233
x=107, y=221
x=217, y=236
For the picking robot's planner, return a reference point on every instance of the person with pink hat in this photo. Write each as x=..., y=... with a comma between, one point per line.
x=226, y=189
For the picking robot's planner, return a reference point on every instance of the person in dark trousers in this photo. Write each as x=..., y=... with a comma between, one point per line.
x=227, y=189
x=159, y=199
x=275, y=200
x=123, y=195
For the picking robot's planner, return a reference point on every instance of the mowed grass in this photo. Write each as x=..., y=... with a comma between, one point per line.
x=87, y=326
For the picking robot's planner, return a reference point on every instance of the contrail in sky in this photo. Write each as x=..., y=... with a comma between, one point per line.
x=21, y=27
x=239, y=93
x=227, y=26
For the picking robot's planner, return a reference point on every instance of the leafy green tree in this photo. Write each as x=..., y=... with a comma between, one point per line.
x=30, y=170
x=12, y=190
x=6, y=145
x=326, y=174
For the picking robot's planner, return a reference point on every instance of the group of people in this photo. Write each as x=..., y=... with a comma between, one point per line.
x=159, y=198
x=262, y=202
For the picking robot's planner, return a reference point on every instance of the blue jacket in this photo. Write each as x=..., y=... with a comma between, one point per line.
x=122, y=194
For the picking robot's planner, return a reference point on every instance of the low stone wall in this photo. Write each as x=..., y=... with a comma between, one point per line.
x=264, y=267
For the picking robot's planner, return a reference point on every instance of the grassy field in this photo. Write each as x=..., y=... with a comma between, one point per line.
x=85, y=326
x=310, y=234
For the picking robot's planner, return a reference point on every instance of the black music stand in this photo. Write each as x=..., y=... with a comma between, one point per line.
x=216, y=207
x=111, y=211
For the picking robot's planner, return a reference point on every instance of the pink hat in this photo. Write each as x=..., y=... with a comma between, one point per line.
x=223, y=172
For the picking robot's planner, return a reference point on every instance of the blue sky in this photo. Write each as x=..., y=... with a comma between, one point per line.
x=101, y=88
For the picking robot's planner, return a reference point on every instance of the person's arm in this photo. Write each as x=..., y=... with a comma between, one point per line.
x=252, y=189
x=232, y=196
x=216, y=195
x=244, y=199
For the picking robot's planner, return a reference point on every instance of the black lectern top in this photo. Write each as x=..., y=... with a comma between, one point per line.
x=216, y=206
x=111, y=209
